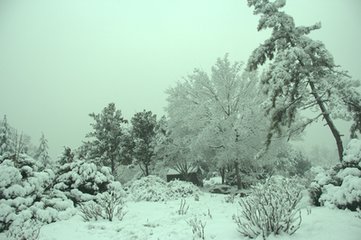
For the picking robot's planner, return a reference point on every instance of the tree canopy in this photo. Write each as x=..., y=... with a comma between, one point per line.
x=301, y=74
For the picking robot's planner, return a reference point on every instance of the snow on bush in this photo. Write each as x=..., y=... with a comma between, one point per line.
x=198, y=225
x=181, y=189
x=81, y=181
x=154, y=189
x=353, y=152
x=150, y=188
x=27, y=194
x=24, y=229
x=108, y=205
x=347, y=195
x=271, y=208
x=340, y=186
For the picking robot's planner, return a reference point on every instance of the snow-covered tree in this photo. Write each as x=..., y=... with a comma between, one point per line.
x=12, y=144
x=22, y=144
x=42, y=154
x=301, y=74
x=6, y=143
x=143, y=132
x=67, y=156
x=81, y=180
x=218, y=117
x=26, y=193
x=105, y=145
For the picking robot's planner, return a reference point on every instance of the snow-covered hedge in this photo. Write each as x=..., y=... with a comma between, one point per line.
x=154, y=189
x=27, y=194
x=340, y=186
x=81, y=180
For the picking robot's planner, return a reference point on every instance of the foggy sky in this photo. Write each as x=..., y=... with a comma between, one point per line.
x=63, y=59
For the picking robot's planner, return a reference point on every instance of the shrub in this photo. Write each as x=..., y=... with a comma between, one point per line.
x=358, y=215
x=24, y=229
x=271, y=208
x=108, y=205
x=150, y=188
x=81, y=181
x=340, y=186
x=153, y=188
x=198, y=227
x=181, y=189
x=27, y=194
x=183, y=207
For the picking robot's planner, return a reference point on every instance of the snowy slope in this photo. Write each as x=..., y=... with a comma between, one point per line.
x=160, y=220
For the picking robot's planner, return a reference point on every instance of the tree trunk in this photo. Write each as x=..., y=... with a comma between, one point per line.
x=329, y=121
x=112, y=167
x=238, y=176
x=222, y=171
x=146, y=170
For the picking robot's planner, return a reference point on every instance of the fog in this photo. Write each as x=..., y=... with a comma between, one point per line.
x=63, y=59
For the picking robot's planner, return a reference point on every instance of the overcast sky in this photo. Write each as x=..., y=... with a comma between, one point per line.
x=63, y=59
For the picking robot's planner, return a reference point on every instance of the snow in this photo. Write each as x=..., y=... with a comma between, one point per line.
x=154, y=189
x=160, y=220
x=348, y=193
x=353, y=151
x=9, y=174
x=348, y=172
x=212, y=181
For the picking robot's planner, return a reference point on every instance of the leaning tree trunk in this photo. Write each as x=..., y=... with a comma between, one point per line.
x=329, y=121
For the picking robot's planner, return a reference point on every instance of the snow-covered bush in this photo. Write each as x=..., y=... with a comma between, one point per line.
x=183, y=207
x=358, y=215
x=198, y=227
x=271, y=208
x=27, y=194
x=24, y=229
x=150, y=188
x=108, y=205
x=81, y=181
x=181, y=189
x=154, y=189
x=229, y=198
x=340, y=186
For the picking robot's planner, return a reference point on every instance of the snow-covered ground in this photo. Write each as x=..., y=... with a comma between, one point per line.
x=160, y=220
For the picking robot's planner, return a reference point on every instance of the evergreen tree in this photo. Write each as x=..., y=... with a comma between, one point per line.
x=42, y=154
x=143, y=132
x=67, y=156
x=6, y=143
x=107, y=139
x=301, y=74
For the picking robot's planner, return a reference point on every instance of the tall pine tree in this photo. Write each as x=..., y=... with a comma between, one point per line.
x=105, y=145
x=6, y=143
x=143, y=132
x=301, y=75
x=41, y=153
